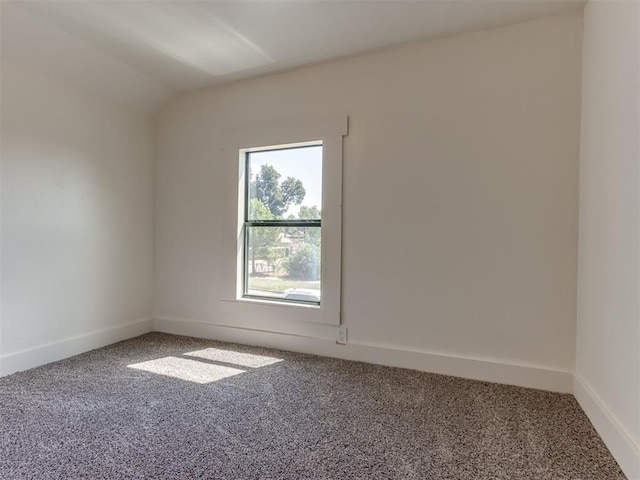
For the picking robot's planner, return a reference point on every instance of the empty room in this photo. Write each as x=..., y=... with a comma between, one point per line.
x=309, y=239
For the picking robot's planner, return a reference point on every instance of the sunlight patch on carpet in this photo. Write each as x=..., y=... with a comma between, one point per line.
x=185, y=369
x=235, y=358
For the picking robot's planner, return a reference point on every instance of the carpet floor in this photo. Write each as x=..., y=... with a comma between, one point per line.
x=166, y=407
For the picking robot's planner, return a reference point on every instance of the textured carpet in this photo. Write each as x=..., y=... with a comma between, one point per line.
x=167, y=407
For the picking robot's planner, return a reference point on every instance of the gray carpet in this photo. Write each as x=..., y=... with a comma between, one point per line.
x=167, y=407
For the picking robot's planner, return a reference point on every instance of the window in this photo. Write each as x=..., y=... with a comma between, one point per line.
x=282, y=234
x=280, y=251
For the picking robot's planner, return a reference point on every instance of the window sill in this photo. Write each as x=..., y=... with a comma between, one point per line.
x=273, y=303
x=266, y=311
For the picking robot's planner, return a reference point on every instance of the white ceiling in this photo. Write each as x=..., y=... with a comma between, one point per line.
x=141, y=53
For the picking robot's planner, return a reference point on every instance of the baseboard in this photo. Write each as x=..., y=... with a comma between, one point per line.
x=393, y=356
x=52, y=352
x=611, y=430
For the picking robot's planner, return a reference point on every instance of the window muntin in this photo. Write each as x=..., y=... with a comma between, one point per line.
x=282, y=227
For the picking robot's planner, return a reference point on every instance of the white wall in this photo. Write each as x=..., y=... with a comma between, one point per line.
x=77, y=216
x=460, y=202
x=608, y=330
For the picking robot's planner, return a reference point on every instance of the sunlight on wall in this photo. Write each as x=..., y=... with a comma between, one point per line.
x=203, y=372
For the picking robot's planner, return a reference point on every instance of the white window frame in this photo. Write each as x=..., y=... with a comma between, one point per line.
x=280, y=134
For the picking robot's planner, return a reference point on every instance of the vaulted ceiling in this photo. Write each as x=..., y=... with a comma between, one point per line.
x=142, y=53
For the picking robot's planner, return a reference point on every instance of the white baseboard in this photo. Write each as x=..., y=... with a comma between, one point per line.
x=476, y=369
x=611, y=430
x=54, y=351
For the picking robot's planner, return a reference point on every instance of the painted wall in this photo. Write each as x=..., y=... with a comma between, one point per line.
x=608, y=330
x=77, y=220
x=460, y=196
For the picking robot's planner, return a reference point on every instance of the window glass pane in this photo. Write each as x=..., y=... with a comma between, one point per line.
x=284, y=263
x=285, y=184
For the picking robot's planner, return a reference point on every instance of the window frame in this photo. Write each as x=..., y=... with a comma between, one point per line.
x=267, y=313
x=278, y=223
